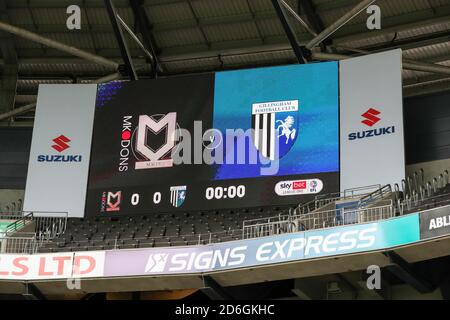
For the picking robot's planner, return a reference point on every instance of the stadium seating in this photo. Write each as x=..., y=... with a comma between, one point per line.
x=161, y=230
x=193, y=228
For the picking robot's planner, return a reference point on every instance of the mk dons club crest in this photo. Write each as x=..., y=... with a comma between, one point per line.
x=153, y=145
x=111, y=201
x=275, y=126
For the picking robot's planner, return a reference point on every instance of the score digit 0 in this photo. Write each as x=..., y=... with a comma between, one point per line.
x=135, y=198
x=157, y=197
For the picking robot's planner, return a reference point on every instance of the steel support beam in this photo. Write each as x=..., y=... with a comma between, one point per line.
x=412, y=42
x=300, y=53
x=298, y=18
x=339, y=23
x=9, y=74
x=306, y=8
x=124, y=51
x=145, y=28
x=135, y=38
x=31, y=106
x=31, y=292
x=214, y=290
x=403, y=270
x=17, y=111
x=445, y=288
x=57, y=45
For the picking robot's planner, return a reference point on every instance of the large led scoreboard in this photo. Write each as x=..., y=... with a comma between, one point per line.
x=267, y=136
x=224, y=140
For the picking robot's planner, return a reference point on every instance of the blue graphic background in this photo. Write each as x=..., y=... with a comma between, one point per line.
x=316, y=148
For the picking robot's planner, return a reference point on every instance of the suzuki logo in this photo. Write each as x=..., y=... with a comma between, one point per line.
x=61, y=143
x=371, y=117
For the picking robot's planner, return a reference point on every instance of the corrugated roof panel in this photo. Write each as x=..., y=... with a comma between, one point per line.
x=227, y=24
x=80, y=40
x=207, y=8
x=126, y=15
x=105, y=40
x=270, y=27
x=429, y=53
x=56, y=16
x=24, y=43
x=266, y=58
x=227, y=32
x=423, y=30
x=386, y=38
x=179, y=37
x=261, y=5
x=98, y=16
x=62, y=68
x=169, y=12
x=20, y=16
x=196, y=65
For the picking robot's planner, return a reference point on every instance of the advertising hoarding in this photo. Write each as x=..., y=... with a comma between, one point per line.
x=60, y=150
x=371, y=120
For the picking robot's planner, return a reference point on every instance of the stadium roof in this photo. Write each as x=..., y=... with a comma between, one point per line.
x=206, y=35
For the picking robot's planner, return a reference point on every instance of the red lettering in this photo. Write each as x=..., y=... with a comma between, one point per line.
x=42, y=272
x=17, y=263
x=77, y=264
x=3, y=273
x=61, y=261
x=299, y=185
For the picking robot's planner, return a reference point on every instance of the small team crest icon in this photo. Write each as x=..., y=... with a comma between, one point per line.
x=177, y=195
x=275, y=126
x=111, y=201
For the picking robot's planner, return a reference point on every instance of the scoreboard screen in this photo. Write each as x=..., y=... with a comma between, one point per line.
x=246, y=138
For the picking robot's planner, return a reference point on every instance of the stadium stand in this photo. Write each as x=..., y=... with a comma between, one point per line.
x=360, y=205
x=313, y=69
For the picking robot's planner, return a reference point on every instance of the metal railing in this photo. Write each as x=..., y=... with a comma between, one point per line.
x=418, y=193
x=44, y=229
x=19, y=224
x=323, y=200
x=129, y=243
x=376, y=195
x=416, y=203
x=315, y=220
x=48, y=228
x=24, y=243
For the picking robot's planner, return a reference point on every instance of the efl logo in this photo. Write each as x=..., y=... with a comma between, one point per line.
x=371, y=117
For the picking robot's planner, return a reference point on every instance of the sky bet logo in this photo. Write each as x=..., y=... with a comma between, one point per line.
x=370, y=119
x=298, y=187
x=61, y=144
